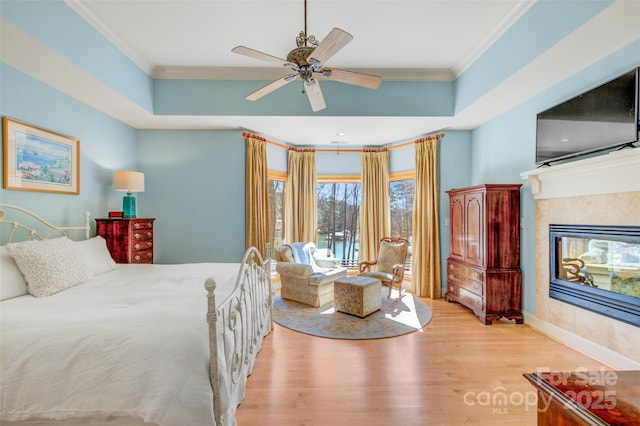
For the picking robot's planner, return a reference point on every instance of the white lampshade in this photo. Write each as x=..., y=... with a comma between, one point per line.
x=129, y=181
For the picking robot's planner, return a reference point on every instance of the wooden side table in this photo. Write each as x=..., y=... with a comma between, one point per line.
x=129, y=240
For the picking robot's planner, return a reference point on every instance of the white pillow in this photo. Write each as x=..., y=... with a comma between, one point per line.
x=96, y=255
x=50, y=266
x=12, y=282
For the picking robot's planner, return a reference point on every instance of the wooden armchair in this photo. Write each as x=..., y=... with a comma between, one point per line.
x=389, y=267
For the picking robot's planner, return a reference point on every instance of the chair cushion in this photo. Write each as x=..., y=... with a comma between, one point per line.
x=327, y=262
x=319, y=278
x=284, y=254
x=382, y=276
x=391, y=254
x=294, y=269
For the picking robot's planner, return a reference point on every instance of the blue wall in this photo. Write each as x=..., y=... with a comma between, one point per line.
x=391, y=99
x=505, y=147
x=195, y=189
x=105, y=145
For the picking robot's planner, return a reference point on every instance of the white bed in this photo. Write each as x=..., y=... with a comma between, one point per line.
x=134, y=344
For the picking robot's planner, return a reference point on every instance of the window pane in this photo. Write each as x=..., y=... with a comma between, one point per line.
x=338, y=220
x=276, y=212
x=402, y=196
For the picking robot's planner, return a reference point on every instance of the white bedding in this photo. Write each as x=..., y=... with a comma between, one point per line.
x=130, y=342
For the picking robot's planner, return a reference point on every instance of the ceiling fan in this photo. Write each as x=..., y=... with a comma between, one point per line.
x=306, y=61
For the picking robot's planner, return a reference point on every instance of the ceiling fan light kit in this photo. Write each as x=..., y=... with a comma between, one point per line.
x=306, y=60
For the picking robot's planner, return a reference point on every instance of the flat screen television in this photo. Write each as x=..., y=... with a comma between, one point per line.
x=602, y=118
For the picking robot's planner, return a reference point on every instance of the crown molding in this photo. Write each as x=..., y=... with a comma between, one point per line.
x=88, y=14
x=506, y=23
x=259, y=73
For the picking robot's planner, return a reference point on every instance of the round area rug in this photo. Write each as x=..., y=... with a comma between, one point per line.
x=395, y=318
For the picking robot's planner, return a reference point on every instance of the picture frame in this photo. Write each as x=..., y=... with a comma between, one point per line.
x=36, y=159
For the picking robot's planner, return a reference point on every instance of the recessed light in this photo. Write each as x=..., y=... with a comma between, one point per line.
x=341, y=134
x=564, y=140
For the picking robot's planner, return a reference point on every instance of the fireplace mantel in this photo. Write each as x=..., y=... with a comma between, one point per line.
x=617, y=171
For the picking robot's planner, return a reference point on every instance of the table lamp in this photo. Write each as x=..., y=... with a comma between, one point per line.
x=129, y=182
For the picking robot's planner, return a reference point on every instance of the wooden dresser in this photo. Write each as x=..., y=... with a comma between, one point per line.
x=128, y=240
x=587, y=398
x=483, y=267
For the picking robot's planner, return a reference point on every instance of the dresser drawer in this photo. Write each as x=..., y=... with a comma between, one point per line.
x=464, y=281
x=466, y=271
x=470, y=299
x=143, y=224
x=141, y=235
x=474, y=287
x=465, y=296
x=142, y=245
x=142, y=257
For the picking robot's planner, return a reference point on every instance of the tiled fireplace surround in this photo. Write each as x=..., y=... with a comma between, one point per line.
x=603, y=190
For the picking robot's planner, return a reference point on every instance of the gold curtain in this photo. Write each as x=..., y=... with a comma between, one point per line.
x=426, y=274
x=375, y=221
x=256, y=195
x=301, y=217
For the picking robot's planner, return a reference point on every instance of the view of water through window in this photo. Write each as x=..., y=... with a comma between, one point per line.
x=338, y=207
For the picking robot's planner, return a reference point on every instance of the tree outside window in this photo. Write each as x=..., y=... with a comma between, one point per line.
x=338, y=205
x=402, y=191
x=277, y=186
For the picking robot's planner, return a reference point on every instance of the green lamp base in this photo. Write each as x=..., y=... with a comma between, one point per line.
x=129, y=205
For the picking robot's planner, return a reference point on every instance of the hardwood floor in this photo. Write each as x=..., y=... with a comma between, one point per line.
x=452, y=372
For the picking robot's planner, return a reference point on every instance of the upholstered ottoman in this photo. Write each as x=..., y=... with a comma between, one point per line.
x=357, y=296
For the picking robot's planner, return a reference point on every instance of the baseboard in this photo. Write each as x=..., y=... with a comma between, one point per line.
x=604, y=355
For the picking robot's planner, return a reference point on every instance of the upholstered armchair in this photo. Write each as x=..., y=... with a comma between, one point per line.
x=306, y=277
x=389, y=267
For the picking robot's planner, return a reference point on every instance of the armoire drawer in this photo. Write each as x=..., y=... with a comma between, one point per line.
x=466, y=271
x=464, y=282
x=470, y=299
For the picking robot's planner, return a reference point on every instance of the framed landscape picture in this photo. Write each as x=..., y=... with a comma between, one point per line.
x=36, y=159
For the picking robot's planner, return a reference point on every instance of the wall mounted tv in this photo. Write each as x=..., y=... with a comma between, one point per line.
x=602, y=118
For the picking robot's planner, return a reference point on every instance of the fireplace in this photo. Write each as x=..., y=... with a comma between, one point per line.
x=597, y=268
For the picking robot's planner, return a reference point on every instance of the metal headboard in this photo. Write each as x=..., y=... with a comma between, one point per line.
x=49, y=230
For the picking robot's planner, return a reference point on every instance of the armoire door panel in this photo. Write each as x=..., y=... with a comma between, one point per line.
x=474, y=225
x=456, y=226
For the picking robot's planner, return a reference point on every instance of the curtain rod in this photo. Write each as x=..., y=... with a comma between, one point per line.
x=338, y=151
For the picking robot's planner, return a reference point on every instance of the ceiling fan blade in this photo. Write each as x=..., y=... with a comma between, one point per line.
x=312, y=87
x=276, y=84
x=351, y=77
x=246, y=51
x=329, y=46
